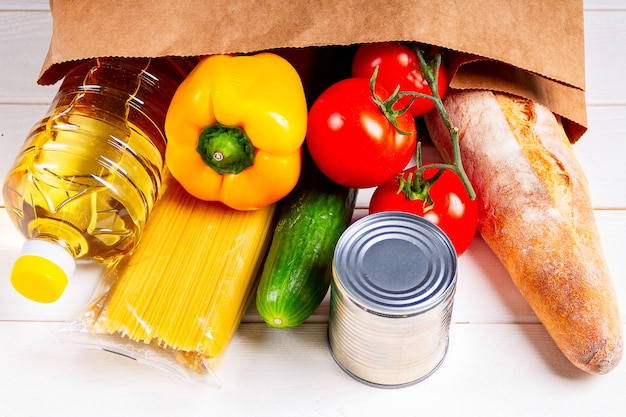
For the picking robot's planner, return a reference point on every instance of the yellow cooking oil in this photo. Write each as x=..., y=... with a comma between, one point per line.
x=89, y=173
x=90, y=194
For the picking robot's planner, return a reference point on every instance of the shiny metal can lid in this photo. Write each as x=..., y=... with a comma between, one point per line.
x=395, y=263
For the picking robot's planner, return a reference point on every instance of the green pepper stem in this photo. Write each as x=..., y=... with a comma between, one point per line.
x=226, y=149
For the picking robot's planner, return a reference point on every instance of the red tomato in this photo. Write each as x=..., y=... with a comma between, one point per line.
x=398, y=65
x=453, y=211
x=352, y=141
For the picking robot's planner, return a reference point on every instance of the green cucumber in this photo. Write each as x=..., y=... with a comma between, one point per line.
x=297, y=270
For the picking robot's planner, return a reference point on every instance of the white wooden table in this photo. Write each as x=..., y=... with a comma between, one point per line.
x=501, y=362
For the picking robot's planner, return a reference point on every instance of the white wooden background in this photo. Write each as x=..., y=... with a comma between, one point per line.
x=501, y=362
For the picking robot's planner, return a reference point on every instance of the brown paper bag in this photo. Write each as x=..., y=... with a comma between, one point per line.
x=533, y=48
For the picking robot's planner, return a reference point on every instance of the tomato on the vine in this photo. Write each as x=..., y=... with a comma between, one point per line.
x=398, y=65
x=451, y=208
x=353, y=140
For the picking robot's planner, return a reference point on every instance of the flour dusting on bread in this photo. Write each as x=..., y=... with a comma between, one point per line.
x=535, y=213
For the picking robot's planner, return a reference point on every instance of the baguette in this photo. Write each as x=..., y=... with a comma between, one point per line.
x=535, y=214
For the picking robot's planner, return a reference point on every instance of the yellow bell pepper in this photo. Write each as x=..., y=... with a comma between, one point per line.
x=235, y=129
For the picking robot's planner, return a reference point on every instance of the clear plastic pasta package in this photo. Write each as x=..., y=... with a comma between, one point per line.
x=176, y=303
x=168, y=360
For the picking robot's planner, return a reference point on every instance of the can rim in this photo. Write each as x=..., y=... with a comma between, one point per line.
x=421, y=278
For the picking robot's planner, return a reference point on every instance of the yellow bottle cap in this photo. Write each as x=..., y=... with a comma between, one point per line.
x=42, y=271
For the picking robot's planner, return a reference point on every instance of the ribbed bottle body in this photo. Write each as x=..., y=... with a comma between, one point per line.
x=90, y=171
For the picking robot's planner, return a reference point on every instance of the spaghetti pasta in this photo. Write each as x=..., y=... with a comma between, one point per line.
x=187, y=285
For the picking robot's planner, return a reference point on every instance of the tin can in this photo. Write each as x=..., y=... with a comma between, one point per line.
x=392, y=291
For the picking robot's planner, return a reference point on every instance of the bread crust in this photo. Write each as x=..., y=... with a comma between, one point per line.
x=535, y=214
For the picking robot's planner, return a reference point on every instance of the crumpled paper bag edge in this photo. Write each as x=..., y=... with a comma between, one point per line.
x=549, y=92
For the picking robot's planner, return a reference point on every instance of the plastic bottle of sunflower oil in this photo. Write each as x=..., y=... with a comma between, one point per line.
x=89, y=172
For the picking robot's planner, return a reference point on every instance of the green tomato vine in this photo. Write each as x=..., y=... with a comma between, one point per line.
x=416, y=186
x=430, y=70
